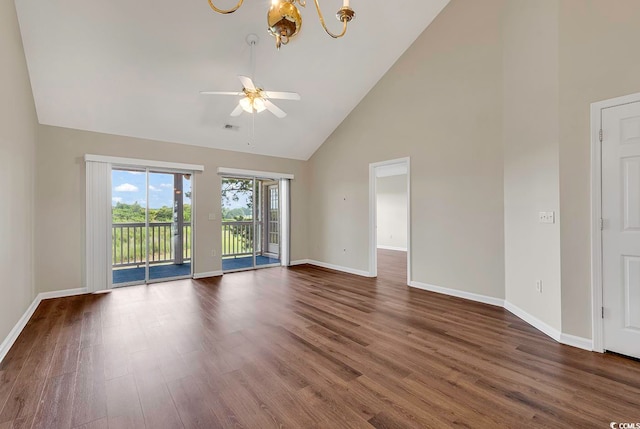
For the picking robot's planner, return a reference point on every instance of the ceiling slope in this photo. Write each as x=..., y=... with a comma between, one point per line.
x=135, y=68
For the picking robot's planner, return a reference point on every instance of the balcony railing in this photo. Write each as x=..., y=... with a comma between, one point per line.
x=237, y=238
x=129, y=241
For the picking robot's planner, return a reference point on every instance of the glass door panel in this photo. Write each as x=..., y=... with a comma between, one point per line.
x=269, y=252
x=274, y=220
x=250, y=223
x=169, y=231
x=237, y=223
x=151, y=226
x=128, y=231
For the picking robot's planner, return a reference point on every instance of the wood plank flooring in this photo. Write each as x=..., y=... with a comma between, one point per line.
x=302, y=348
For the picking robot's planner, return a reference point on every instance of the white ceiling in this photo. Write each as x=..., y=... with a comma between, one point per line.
x=135, y=68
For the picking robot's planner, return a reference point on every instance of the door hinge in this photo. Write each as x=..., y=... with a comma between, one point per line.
x=600, y=135
x=603, y=312
x=601, y=224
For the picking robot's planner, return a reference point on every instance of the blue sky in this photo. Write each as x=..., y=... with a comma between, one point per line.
x=129, y=187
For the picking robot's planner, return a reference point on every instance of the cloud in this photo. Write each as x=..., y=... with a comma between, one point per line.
x=126, y=187
x=116, y=199
x=166, y=185
x=154, y=189
x=136, y=173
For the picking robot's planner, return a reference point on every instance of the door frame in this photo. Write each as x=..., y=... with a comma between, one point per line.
x=373, y=216
x=255, y=179
x=597, y=287
x=147, y=171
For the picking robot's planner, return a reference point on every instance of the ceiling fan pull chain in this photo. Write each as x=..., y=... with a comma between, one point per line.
x=253, y=60
x=225, y=11
x=252, y=131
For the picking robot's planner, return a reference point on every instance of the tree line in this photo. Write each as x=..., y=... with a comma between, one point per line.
x=134, y=213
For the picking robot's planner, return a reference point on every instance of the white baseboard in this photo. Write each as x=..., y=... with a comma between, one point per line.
x=567, y=339
x=562, y=338
x=13, y=335
x=207, y=275
x=17, y=329
x=570, y=340
x=299, y=262
x=533, y=321
x=399, y=249
x=339, y=268
x=458, y=293
x=61, y=293
x=579, y=342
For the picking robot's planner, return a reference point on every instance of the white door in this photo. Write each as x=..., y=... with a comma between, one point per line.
x=621, y=228
x=274, y=220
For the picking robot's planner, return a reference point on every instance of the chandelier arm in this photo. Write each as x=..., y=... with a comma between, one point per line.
x=227, y=11
x=345, y=21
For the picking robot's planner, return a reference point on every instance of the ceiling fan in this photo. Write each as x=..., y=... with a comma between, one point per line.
x=254, y=98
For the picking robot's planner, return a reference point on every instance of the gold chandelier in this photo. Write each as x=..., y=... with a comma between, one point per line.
x=285, y=21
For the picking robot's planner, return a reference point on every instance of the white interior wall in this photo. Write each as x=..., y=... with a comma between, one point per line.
x=598, y=42
x=391, y=201
x=531, y=151
x=440, y=105
x=17, y=165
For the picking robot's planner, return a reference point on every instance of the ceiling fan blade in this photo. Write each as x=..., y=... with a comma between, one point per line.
x=220, y=93
x=274, y=109
x=247, y=83
x=281, y=95
x=237, y=111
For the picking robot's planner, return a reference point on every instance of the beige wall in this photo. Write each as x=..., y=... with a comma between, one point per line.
x=17, y=161
x=598, y=60
x=391, y=198
x=441, y=105
x=457, y=91
x=531, y=151
x=60, y=197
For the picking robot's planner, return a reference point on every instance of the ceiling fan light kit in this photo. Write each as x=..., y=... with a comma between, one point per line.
x=254, y=98
x=284, y=20
x=252, y=102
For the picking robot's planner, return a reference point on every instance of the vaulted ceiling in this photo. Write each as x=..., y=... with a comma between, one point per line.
x=135, y=68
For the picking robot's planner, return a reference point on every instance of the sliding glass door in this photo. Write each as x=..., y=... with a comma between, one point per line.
x=151, y=226
x=250, y=223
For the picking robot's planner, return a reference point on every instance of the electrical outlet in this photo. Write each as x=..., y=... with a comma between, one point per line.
x=539, y=285
x=551, y=217
x=212, y=216
x=547, y=217
x=213, y=252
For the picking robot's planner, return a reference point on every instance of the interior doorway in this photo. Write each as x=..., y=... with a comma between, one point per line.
x=389, y=215
x=251, y=223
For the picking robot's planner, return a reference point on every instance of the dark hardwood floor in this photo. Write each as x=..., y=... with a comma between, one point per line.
x=302, y=347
